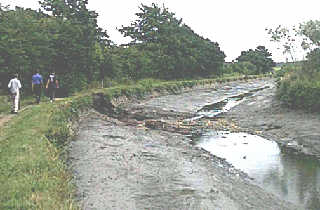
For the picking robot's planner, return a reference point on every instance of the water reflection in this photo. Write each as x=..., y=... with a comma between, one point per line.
x=215, y=109
x=295, y=178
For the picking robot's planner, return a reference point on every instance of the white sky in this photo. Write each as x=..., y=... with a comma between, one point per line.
x=237, y=25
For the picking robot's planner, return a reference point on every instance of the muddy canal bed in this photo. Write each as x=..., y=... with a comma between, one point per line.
x=144, y=159
x=124, y=167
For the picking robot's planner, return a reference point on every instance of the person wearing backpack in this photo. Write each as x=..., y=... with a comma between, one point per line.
x=51, y=86
x=14, y=89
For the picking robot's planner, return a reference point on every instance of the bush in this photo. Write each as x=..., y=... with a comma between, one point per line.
x=287, y=69
x=300, y=83
x=148, y=83
x=299, y=91
x=244, y=67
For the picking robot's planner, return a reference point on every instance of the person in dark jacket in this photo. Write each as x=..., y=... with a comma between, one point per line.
x=52, y=85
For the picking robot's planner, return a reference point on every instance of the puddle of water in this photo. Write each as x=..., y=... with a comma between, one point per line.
x=291, y=177
x=212, y=110
x=215, y=109
x=234, y=98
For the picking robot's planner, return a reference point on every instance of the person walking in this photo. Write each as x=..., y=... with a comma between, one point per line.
x=51, y=86
x=37, y=85
x=14, y=89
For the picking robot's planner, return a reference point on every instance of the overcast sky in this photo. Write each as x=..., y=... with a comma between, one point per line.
x=237, y=25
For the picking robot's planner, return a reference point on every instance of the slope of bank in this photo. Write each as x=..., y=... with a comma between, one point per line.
x=32, y=176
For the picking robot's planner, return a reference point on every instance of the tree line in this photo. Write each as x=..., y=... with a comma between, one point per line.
x=63, y=36
x=257, y=61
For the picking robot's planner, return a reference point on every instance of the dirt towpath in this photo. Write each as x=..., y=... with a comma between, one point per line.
x=4, y=119
x=124, y=164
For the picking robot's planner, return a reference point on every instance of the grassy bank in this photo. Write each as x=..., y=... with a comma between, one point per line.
x=5, y=105
x=33, y=171
x=32, y=175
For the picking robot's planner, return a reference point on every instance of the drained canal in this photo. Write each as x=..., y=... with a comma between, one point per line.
x=292, y=177
x=143, y=160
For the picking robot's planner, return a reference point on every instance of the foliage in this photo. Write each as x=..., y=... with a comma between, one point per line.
x=311, y=32
x=64, y=42
x=312, y=65
x=279, y=73
x=260, y=58
x=297, y=91
x=24, y=44
x=287, y=39
x=307, y=36
x=244, y=67
x=172, y=48
x=64, y=37
x=300, y=87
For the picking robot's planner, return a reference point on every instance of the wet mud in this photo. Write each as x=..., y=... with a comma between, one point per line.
x=262, y=114
x=145, y=159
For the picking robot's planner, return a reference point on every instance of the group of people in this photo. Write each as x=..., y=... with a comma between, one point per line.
x=37, y=86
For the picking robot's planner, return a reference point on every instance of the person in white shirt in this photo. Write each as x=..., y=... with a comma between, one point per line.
x=14, y=89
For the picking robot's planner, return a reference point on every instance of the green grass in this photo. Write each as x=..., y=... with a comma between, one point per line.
x=277, y=68
x=32, y=176
x=5, y=104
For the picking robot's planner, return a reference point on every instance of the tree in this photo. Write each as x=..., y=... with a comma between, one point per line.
x=300, y=87
x=62, y=38
x=286, y=38
x=24, y=42
x=311, y=32
x=77, y=35
x=260, y=57
x=177, y=51
x=306, y=36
